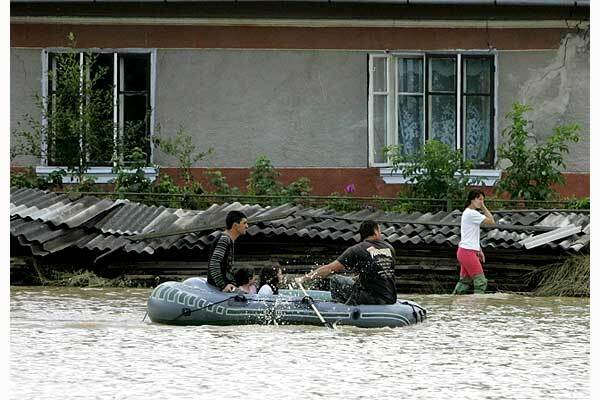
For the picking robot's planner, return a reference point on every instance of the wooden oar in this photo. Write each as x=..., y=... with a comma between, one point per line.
x=201, y=228
x=314, y=307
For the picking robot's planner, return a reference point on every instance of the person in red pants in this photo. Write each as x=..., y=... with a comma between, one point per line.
x=469, y=252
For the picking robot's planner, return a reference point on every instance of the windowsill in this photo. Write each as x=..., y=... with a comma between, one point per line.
x=488, y=176
x=102, y=174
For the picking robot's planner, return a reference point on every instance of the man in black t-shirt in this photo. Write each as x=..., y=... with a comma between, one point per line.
x=373, y=260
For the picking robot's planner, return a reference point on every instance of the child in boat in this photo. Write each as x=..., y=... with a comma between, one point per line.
x=270, y=278
x=245, y=281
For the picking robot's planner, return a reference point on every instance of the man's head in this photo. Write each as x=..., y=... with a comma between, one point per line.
x=236, y=221
x=369, y=228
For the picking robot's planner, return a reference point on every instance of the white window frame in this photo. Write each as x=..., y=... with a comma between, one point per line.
x=103, y=174
x=489, y=176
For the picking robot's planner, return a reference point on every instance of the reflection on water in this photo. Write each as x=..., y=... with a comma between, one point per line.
x=69, y=343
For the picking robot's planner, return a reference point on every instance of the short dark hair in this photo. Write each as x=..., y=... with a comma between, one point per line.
x=367, y=228
x=473, y=194
x=233, y=217
x=242, y=276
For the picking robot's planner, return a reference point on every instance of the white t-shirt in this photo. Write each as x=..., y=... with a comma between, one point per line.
x=265, y=290
x=469, y=229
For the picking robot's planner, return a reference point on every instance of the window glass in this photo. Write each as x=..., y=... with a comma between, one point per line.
x=134, y=124
x=410, y=123
x=137, y=70
x=379, y=127
x=99, y=143
x=477, y=128
x=442, y=74
x=379, y=74
x=442, y=111
x=426, y=103
x=410, y=75
x=477, y=75
x=81, y=120
x=63, y=142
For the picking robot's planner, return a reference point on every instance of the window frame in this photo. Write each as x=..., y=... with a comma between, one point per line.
x=460, y=131
x=117, y=90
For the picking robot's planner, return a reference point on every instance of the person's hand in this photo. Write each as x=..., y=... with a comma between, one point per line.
x=229, y=288
x=300, y=279
x=481, y=256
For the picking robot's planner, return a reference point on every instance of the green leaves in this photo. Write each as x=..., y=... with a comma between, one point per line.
x=183, y=148
x=534, y=166
x=436, y=171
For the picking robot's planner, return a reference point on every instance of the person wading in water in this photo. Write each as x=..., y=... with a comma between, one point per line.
x=469, y=252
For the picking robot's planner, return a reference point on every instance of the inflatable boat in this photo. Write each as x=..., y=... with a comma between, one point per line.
x=194, y=302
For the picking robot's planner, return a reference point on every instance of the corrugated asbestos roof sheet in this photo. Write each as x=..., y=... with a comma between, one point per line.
x=48, y=223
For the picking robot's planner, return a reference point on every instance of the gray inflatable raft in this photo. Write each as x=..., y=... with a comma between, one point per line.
x=194, y=302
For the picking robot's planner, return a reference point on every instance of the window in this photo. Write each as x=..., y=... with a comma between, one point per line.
x=417, y=97
x=110, y=101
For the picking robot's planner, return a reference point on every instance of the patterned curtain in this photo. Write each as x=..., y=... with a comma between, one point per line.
x=477, y=108
x=442, y=100
x=410, y=104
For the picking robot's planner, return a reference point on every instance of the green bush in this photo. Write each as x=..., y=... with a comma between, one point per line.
x=534, y=166
x=184, y=150
x=263, y=179
x=219, y=182
x=436, y=172
x=132, y=179
x=579, y=204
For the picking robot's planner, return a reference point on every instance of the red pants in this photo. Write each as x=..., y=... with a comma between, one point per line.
x=469, y=263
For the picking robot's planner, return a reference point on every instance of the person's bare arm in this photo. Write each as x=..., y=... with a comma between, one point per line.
x=322, y=272
x=489, y=218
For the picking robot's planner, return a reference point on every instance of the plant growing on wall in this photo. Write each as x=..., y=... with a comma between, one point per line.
x=183, y=148
x=435, y=171
x=534, y=166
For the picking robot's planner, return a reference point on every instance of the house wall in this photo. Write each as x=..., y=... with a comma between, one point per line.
x=299, y=108
x=556, y=83
x=299, y=95
x=25, y=83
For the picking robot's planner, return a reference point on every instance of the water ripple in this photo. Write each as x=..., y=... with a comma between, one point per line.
x=69, y=343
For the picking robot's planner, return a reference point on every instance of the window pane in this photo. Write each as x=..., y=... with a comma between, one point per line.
x=99, y=139
x=410, y=75
x=442, y=74
x=135, y=125
x=442, y=119
x=64, y=121
x=379, y=127
x=379, y=74
x=136, y=72
x=477, y=128
x=477, y=75
x=410, y=123
x=101, y=71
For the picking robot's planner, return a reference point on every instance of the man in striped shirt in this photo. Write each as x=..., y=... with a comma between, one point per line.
x=221, y=255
